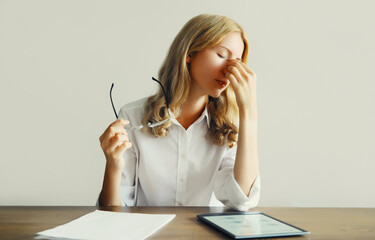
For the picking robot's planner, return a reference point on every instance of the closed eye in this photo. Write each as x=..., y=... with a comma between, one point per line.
x=221, y=56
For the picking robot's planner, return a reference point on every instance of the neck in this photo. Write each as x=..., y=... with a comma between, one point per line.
x=192, y=109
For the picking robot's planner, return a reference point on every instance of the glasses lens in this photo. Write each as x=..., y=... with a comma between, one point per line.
x=131, y=127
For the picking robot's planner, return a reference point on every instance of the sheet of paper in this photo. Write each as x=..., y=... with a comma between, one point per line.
x=100, y=225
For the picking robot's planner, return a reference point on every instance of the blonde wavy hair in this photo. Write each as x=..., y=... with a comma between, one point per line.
x=199, y=33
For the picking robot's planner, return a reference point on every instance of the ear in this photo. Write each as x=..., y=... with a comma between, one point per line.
x=188, y=58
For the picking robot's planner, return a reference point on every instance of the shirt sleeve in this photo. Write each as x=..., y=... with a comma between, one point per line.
x=128, y=183
x=127, y=186
x=227, y=189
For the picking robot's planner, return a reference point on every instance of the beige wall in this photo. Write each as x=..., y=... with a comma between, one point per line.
x=316, y=87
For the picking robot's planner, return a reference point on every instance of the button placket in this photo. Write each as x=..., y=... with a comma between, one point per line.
x=182, y=168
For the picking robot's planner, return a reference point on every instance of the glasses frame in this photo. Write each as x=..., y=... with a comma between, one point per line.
x=149, y=124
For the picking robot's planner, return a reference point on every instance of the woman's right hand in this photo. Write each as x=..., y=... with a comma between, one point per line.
x=114, y=142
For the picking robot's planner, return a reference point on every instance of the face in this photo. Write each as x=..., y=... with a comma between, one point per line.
x=207, y=67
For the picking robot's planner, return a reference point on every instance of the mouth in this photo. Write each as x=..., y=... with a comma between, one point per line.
x=222, y=83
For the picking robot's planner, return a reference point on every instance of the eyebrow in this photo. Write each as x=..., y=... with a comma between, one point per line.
x=240, y=59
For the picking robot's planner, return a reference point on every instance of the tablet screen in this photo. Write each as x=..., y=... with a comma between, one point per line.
x=241, y=225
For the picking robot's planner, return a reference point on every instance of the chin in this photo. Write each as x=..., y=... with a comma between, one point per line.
x=215, y=94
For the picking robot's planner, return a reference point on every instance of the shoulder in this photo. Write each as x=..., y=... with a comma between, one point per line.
x=133, y=110
x=135, y=105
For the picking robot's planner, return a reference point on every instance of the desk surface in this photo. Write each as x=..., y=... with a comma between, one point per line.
x=323, y=223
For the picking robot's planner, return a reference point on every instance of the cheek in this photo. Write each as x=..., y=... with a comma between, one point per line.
x=209, y=66
x=215, y=66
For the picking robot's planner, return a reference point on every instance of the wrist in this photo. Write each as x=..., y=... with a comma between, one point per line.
x=113, y=170
x=248, y=110
x=248, y=121
x=248, y=114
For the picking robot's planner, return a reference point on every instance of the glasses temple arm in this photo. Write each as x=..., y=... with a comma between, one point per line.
x=165, y=95
x=110, y=96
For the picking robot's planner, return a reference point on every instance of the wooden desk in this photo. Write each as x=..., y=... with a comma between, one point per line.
x=323, y=223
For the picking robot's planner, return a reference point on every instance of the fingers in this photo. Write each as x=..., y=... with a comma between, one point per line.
x=124, y=146
x=243, y=71
x=115, y=137
x=116, y=141
x=232, y=70
x=233, y=73
x=243, y=81
x=119, y=124
x=239, y=73
x=233, y=81
x=243, y=66
x=115, y=127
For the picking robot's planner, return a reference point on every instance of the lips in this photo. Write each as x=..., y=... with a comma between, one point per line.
x=222, y=83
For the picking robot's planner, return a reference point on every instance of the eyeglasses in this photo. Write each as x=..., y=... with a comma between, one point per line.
x=149, y=124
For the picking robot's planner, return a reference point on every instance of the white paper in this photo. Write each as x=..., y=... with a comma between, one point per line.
x=100, y=225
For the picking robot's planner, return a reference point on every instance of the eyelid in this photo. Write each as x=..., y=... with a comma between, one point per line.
x=227, y=50
x=221, y=55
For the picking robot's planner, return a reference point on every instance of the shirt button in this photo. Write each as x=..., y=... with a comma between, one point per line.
x=182, y=180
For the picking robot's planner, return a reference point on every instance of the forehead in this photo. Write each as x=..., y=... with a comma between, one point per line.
x=234, y=43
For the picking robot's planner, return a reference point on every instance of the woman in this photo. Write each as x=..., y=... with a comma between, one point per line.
x=206, y=149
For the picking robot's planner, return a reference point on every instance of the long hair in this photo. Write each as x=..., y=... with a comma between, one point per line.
x=199, y=33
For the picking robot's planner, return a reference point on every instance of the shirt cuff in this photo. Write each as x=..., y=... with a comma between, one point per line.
x=237, y=199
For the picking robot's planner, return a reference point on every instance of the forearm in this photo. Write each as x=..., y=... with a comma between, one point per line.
x=246, y=167
x=110, y=194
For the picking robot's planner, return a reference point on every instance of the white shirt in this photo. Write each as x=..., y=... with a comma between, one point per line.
x=184, y=168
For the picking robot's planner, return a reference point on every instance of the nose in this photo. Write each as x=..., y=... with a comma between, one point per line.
x=226, y=64
x=225, y=67
x=224, y=71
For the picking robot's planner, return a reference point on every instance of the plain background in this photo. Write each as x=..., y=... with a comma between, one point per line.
x=315, y=66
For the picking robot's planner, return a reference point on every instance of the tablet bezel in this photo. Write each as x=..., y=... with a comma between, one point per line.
x=202, y=218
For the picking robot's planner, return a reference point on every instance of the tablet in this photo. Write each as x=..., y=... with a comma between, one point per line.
x=240, y=225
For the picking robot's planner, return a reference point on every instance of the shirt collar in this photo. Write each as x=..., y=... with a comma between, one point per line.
x=203, y=116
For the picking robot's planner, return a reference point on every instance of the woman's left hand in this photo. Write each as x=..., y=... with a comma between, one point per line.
x=243, y=81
